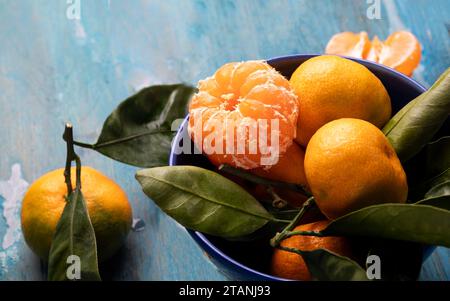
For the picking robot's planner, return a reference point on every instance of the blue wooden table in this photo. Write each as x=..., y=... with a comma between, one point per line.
x=56, y=67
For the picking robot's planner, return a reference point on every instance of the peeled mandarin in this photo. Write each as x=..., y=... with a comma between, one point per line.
x=245, y=115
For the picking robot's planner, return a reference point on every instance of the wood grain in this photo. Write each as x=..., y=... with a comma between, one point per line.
x=53, y=70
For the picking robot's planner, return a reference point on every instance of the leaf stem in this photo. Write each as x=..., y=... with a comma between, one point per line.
x=284, y=221
x=84, y=145
x=119, y=140
x=78, y=172
x=288, y=249
x=306, y=233
x=277, y=201
x=267, y=218
x=263, y=181
x=276, y=240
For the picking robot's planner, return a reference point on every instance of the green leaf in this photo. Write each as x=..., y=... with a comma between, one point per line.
x=428, y=168
x=442, y=201
x=442, y=189
x=74, y=236
x=414, y=125
x=439, y=179
x=433, y=159
x=438, y=195
x=328, y=266
x=203, y=200
x=408, y=222
x=138, y=132
x=437, y=156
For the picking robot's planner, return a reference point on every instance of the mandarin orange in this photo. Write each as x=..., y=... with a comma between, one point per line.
x=350, y=164
x=245, y=115
x=107, y=204
x=330, y=87
x=291, y=265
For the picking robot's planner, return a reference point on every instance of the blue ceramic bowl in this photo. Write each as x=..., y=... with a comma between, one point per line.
x=249, y=260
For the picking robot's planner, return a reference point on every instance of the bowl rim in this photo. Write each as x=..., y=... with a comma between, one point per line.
x=204, y=242
x=201, y=239
x=405, y=78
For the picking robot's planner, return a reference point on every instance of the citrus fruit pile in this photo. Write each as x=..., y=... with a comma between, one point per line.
x=400, y=51
x=314, y=160
x=330, y=113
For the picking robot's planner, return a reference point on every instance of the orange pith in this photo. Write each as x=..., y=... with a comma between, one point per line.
x=375, y=50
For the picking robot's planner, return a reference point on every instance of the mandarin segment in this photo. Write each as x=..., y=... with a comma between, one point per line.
x=241, y=106
x=288, y=169
x=242, y=72
x=349, y=44
x=401, y=51
x=223, y=77
x=280, y=100
x=210, y=86
x=375, y=50
x=262, y=77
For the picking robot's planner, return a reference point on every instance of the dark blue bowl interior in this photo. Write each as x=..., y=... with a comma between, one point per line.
x=250, y=260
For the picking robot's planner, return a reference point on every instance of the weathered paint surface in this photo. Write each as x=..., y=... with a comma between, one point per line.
x=55, y=69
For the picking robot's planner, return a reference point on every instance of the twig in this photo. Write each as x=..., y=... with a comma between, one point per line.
x=276, y=240
x=263, y=181
x=306, y=233
x=71, y=156
x=277, y=201
x=120, y=140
